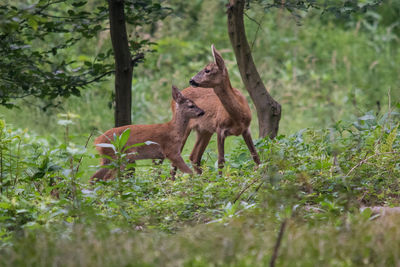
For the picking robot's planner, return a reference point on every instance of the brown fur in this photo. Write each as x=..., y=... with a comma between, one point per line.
x=227, y=111
x=168, y=137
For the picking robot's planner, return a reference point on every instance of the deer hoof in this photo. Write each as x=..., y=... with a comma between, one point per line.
x=198, y=170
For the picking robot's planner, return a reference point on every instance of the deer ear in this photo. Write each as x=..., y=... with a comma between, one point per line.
x=218, y=58
x=212, y=51
x=176, y=95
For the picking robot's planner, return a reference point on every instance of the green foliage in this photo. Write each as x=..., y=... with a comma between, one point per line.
x=318, y=179
x=338, y=8
x=37, y=40
x=321, y=72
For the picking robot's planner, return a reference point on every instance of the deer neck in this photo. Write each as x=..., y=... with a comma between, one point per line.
x=178, y=124
x=228, y=98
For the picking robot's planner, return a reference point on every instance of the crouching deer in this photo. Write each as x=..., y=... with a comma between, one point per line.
x=226, y=108
x=166, y=138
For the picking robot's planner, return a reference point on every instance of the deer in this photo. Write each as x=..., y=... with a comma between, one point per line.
x=227, y=112
x=166, y=138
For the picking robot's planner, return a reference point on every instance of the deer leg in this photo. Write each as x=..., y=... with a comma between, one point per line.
x=178, y=162
x=249, y=142
x=221, y=151
x=158, y=163
x=110, y=174
x=173, y=172
x=132, y=168
x=201, y=143
x=184, y=139
x=102, y=173
x=195, y=148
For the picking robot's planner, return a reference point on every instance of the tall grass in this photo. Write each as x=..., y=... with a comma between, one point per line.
x=351, y=240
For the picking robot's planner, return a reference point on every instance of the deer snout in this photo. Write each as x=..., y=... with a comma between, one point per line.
x=201, y=113
x=193, y=82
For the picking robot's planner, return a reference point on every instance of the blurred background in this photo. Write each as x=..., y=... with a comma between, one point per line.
x=320, y=67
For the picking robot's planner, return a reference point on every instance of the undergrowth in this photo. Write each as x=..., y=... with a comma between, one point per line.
x=316, y=180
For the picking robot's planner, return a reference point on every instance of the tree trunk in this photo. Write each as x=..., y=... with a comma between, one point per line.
x=123, y=65
x=268, y=110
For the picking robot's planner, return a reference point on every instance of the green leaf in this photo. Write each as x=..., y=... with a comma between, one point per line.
x=106, y=157
x=367, y=117
x=107, y=145
x=39, y=174
x=388, y=146
x=366, y=213
x=33, y=23
x=64, y=122
x=5, y=205
x=124, y=137
x=79, y=4
x=134, y=145
x=22, y=211
x=107, y=166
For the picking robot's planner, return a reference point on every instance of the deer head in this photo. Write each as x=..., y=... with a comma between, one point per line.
x=185, y=106
x=213, y=74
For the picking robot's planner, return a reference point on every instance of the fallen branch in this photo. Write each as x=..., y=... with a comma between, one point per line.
x=244, y=189
x=255, y=191
x=368, y=158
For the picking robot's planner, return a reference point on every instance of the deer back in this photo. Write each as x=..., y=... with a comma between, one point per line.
x=216, y=115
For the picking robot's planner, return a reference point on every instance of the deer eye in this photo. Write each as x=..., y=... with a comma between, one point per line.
x=207, y=71
x=191, y=106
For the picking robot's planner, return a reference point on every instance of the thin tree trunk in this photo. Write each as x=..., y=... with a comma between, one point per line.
x=268, y=110
x=123, y=65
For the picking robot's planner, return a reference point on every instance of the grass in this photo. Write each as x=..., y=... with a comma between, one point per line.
x=350, y=240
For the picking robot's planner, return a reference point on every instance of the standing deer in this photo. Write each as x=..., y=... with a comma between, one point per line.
x=166, y=138
x=227, y=111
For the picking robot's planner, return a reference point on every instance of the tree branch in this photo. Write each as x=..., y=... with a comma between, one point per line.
x=138, y=58
x=258, y=28
x=80, y=159
x=96, y=79
x=278, y=243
